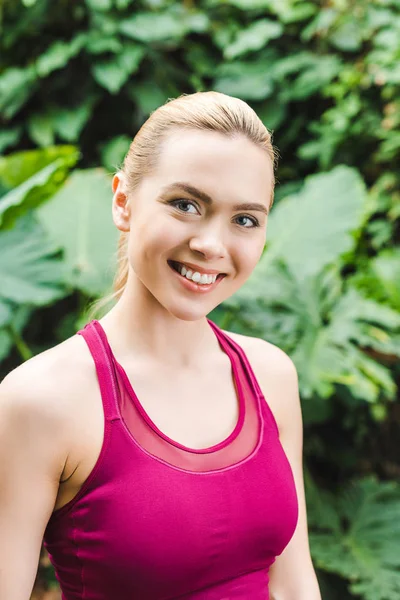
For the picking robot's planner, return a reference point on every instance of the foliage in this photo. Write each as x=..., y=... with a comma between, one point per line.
x=325, y=77
x=356, y=534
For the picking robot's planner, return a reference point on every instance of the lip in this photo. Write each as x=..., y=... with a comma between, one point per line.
x=192, y=286
x=197, y=268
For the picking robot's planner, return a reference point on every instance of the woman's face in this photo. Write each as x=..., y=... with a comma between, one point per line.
x=191, y=211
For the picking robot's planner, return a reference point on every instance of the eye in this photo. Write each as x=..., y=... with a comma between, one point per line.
x=253, y=221
x=181, y=202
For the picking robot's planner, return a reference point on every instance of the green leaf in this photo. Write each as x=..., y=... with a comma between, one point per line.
x=37, y=187
x=5, y=315
x=114, y=152
x=40, y=128
x=16, y=86
x=69, y=122
x=100, y=5
x=17, y=167
x=18, y=320
x=153, y=27
x=272, y=112
x=362, y=544
x=348, y=36
x=98, y=43
x=253, y=38
x=29, y=272
x=246, y=80
x=380, y=278
x=322, y=23
x=320, y=71
x=147, y=95
x=9, y=137
x=249, y=4
x=112, y=74
x=78, y=218
x=300, y=12
x=122, y=4
x=59, y=54
x=317, y=226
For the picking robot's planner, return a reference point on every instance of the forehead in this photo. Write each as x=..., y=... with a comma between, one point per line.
x=225, y=167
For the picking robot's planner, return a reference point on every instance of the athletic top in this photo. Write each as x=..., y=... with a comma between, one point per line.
x=157, y=520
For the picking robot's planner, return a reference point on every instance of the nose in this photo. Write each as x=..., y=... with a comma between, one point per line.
x=208, y=242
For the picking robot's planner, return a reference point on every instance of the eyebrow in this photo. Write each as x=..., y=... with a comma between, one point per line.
x=193, y=191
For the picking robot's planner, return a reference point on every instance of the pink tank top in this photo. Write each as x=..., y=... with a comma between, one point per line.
x=156, y=520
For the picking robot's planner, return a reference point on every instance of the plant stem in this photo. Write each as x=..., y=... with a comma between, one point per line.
x=23, y=349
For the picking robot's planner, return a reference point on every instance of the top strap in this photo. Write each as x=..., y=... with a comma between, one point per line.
x=94, y=336
x=231, y=346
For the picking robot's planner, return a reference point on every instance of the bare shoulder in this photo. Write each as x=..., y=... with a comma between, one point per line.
x=47, y=379
x=275, y=373
x=47, y=389
x=264, y=355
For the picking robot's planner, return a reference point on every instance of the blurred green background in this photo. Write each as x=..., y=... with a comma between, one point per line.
x=77, y=80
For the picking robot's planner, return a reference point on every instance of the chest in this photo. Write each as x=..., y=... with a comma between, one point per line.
x=195, y=408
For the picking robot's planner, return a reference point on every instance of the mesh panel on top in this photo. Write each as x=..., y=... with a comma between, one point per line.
x=236, y=447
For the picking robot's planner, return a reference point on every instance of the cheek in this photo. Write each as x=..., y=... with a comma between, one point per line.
x=150, y=242
x=250, y=256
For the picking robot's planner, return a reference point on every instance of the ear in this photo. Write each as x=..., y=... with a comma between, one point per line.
x=120, y=206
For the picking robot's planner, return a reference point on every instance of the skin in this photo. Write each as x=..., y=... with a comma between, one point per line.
x=48, y=448
x=213, y=237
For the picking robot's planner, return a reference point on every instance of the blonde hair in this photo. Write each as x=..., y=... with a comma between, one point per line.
x=207, y=111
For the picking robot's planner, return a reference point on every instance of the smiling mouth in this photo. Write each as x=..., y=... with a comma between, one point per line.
x=177, y=266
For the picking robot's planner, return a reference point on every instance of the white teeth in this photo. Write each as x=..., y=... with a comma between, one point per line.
x=196, y=277
x=202, y=279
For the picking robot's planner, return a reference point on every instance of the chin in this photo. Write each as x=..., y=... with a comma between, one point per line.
x=187, y=311
x=188, y=314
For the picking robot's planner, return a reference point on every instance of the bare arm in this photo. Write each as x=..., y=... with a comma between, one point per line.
x=32, y=459
x=292, y=576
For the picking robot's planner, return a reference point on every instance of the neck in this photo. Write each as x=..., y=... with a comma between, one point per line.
x=138, y=324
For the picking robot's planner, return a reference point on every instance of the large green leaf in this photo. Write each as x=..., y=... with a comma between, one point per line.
x=318, y=225
x=5, y=313
x=37, y=187
x=17, y=167
x=325, y=329
x=29, y=272
x=380, y=277
x=79, y=219
x=361, y=541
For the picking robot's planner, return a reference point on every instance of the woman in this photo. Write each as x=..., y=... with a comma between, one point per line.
x=158, y=456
